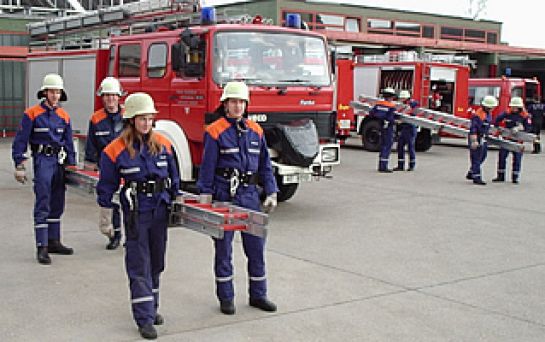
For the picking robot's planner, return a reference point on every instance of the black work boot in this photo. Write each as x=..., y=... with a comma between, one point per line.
x=263, y=304
x=515, y=180
x=227, y=307
x=159, y=320
x=500, y=178
x=385, y=170
x=479, y=182
x=56, y=247
x=399, y=168
x=114, y=241
x=148, y=332
x=42, y=256
x=469, y=175
x=537, y=148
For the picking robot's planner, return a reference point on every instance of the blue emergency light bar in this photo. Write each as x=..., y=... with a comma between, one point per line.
x=208, y=16
x=293, y=20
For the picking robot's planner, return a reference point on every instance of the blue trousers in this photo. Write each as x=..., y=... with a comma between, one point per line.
x=502, y=159
x=253, y=249
x=145, y=260
x=477, y=157
x=386, y=141
x=49, y=189
x=406, y=137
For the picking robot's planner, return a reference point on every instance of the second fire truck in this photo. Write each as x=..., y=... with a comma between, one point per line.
x=435, y=81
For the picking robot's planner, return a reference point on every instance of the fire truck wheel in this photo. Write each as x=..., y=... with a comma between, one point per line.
x=370, y=135
x=286, y=190
x=423, y=140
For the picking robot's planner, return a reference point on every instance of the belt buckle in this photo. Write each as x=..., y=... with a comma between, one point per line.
x=150, y=188
x=48, y=150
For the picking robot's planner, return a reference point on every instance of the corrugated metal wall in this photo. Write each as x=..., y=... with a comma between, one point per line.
x=12, y=94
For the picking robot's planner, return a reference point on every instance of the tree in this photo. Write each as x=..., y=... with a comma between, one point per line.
x=476, y=7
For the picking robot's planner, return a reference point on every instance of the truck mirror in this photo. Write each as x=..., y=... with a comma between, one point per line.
x=178, y=57
x=333, y=62
x=186, y=36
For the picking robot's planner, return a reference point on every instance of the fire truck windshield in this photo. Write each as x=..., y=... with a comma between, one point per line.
x=270, y=58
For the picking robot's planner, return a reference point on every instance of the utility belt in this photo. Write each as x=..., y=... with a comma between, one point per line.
x=49, y=150
x=237, y=178
x=131, y=190
x=148, y=187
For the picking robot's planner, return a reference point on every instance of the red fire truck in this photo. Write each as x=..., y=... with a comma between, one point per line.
x=503, y=89
x=436, y=81
x=183, y=63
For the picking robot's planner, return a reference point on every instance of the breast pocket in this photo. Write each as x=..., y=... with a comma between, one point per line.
x=254, y=151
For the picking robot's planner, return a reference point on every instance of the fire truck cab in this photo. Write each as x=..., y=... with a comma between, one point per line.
x=436, y=82
x=184, y=68
x=503, y=88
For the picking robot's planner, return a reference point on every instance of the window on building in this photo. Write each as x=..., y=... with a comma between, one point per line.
x=157, y=60
x=492, y=38
x=352, y=25
x=452, y=33
x=474, y=35
x=380, y=26
x=129, y=60
x=407, y=29
x=428, y=31
x=329, y=22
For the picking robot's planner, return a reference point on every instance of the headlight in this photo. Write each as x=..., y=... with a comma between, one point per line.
x=330, y=154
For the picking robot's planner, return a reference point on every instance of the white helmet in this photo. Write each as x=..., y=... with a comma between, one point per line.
x=489, y=101
x=235, y=90
x=110, y=85
x=52, y=81
x=138, y=104
x=516, y=102
x=388, y=91
x=404, y=94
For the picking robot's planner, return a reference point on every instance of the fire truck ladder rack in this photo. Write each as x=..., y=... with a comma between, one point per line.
x=212, y=219
x=413, y=56
x=448, y=123
x=127, y=18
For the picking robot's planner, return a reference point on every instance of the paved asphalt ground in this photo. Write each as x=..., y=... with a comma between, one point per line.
x=421, y=256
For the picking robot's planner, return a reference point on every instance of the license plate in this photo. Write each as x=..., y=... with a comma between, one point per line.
x=297, y=178
x=344, y=124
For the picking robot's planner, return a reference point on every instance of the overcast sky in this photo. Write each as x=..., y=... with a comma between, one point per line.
x=523, y=20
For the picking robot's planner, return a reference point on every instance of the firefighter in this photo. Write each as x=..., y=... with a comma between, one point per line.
x=104, y=126
x=537, y=109
x=235, y=157
x=480, y=124
x=144, y=160
x=47, y=128
x=516, y=119
x=407, y=134
x=384, y=110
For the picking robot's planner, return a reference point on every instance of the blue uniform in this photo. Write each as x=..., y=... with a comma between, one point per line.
x=385, y=112
x=49, y=133
x=145, y=215
x=104, y=127
x=407, y=136
x=480, y=124
x=241, y=146
x=511, y=120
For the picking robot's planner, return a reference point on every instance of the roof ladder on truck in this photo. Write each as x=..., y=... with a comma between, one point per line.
x=448, y=123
